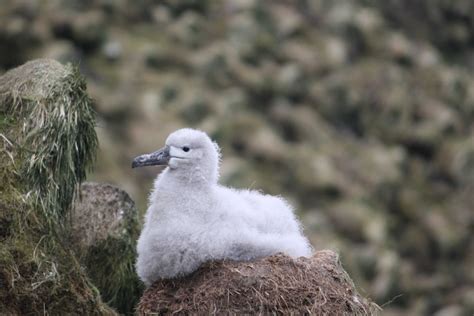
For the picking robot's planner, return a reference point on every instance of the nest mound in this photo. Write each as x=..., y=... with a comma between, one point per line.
x=277, y=284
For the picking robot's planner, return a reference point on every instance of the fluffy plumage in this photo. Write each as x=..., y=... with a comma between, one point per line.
x=192, y=219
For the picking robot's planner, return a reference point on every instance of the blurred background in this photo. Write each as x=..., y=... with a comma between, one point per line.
x=359, y=112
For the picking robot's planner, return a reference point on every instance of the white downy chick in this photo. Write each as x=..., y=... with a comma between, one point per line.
x=192, y=219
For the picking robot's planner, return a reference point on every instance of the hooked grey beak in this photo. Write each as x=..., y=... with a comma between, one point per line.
x=159, y=157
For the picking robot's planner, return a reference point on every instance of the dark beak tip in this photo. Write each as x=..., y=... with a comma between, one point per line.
x=135, y=163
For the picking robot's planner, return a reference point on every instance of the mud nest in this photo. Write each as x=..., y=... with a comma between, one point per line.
x=276, y=284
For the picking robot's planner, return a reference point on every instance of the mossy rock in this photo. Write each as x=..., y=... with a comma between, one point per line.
x=104, y=231
x=48, y=140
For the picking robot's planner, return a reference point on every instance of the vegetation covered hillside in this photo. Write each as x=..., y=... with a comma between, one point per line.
x=360, y=112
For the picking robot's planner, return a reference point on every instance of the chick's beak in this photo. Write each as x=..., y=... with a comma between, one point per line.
x=159, y=157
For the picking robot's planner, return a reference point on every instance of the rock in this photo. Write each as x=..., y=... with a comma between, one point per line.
x=104, y=233
x=277, y=284
x=102, y=211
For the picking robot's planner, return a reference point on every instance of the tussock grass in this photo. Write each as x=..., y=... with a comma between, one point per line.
x=56, y=137
x=47, y=141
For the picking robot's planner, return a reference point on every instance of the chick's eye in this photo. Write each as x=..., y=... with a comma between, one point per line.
x=185, y=149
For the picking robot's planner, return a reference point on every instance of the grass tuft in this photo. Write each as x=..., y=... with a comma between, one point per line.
x=57, y=139
x=47, y=142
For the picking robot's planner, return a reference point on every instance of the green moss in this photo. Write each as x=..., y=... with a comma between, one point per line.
x=110, y=265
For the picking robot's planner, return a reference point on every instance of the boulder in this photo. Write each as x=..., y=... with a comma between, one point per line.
x=104, y=232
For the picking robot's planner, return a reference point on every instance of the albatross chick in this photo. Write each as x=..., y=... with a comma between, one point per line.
x=192, y=219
